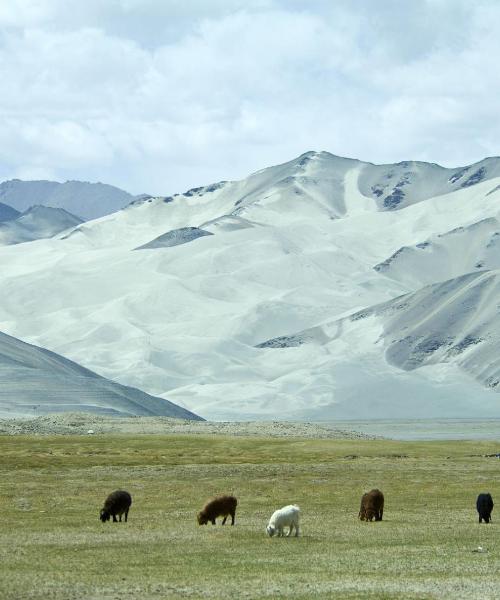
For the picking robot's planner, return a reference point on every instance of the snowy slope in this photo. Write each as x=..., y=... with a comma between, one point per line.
x=36, y=223
x=87, y=200
x=446, y=255
x=36, y=381
x=294, y=248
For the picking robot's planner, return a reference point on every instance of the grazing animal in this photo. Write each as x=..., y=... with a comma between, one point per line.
x=372, y=506
x=222, y=506
x=484, y=505
x=117, y=503
x=288, y=516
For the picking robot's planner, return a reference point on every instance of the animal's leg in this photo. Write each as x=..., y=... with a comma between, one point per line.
x=115, y=520
x=126, y=515
x=297, y=529
x=224, y=520
x=120, y=517
x=290, y=530
x=381, y=514
x=233, y=514
x=213, y=521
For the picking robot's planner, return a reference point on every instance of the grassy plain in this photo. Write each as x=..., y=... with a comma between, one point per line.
x=53, y=546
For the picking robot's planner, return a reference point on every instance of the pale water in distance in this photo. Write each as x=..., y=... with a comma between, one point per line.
x=428, y=429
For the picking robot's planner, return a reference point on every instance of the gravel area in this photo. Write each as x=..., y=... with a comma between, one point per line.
x=84, y=423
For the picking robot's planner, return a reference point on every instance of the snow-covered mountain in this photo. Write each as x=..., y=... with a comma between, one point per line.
x=324, y=287
x=36, y=223
x=444, y=337
x=87, y=200
x=34, y=381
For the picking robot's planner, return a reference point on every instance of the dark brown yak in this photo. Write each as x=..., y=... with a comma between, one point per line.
x=372, y=506
x=117, y=503
x=222, y=506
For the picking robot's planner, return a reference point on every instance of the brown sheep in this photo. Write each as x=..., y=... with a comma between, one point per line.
x=117, y=503
x=372, y=506
x=222, y=506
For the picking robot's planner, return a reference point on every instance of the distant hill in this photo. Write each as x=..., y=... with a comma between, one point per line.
x=36, y=223
x=7, y=213
x=35, y=381
x=86, y=200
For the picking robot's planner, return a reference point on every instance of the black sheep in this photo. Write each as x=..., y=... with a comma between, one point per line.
x=484, y=505
x=117, y=503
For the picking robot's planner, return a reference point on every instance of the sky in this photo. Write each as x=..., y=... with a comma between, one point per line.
x=158, y=96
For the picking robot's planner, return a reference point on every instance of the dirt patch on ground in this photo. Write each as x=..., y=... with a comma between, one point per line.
x=84, y=423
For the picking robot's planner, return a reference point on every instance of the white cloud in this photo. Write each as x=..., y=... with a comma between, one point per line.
x=159, y=96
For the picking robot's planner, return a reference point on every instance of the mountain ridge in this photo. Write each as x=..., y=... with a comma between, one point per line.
x=84, y=199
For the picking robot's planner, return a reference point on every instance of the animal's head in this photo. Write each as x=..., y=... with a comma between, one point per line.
x=104, y=516
x=370, y=514
x=270, y=530
x=202, y=518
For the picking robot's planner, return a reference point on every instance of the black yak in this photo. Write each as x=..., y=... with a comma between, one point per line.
x=484, y=505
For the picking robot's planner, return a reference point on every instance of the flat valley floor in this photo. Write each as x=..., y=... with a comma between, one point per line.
x=53, y=546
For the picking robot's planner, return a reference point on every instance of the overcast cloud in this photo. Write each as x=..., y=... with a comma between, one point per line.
x=161, y=95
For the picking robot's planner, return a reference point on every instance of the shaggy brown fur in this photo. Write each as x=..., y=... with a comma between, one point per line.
x=372, y=506
x=117, y=503
x=222, y=506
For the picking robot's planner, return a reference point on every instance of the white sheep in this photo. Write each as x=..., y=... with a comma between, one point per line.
x=288, y=516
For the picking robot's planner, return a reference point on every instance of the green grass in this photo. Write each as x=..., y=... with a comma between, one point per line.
x=53, y=546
